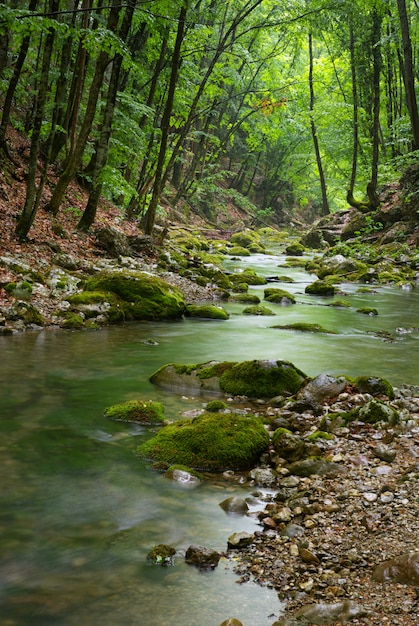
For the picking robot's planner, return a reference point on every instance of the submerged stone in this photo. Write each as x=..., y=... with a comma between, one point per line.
x=204, y=558
x=162, y=554
x=235, y=505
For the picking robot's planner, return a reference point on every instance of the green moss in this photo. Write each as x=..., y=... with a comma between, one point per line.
x=239, y=251
x=272, y=294
x=217, y=369
x=376, y=411
x=143, y=297
x=341, y=304
x=72, y=321
x=285, y=279
x=29, y=313
x=295, y=262
x=320, y=288
x=161, y=554
x=319, y=434
x=183, y=468
x=262, y=379
x=246, y=239
x=367, y=310
x=209, y=442
x=249, y=276
x=240, y=287
x=90, y=297
x=245, y=298
x=374, y=385
x=207, y=311
x=295, y=249
x=257, y=310
x=137, y=411
x=305, y=327
x=365, y=290
x=215, y=406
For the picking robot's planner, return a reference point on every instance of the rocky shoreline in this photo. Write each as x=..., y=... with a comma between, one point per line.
x=322, y=537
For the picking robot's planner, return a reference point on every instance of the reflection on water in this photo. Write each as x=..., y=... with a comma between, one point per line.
x=79, y=512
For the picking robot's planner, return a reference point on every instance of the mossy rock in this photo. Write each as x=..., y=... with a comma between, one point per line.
x=320, y=288
x=262, y=379
x=210, y=442
x=215, y=406
x=258, y=310
x=240, y=287
x=285, y=279
x=245, y=298
x=341, y=304
x=258, y=379
x=375, y=411
x=248, y=276
x=28, y=313
x=289, y=446
x=184, y=475
x=161, y=554
x=72, y=321
x=295, y=262
x=206, y=311
x=246, y=239
x=142, y=297
x=239, y=251
x=280, y=296
x=305, y=327
x=136, y=411
x=91, y=297
x=374, y=385
x=366, y=310
x=21, y=290
x=295, y=249
x=319, y=434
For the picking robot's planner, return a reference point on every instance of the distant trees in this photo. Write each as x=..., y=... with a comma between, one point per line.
x=284, y=106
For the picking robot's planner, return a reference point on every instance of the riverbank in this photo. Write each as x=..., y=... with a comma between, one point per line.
x=322, y=537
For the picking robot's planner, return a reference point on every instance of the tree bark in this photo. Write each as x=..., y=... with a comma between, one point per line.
x=75, y=158
x=325, y=202
x=408, y=73
x=165, y=123
x=102, y=149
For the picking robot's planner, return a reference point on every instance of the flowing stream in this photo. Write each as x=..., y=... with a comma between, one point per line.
x=79, y=511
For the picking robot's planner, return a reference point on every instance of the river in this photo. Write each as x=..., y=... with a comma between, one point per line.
x=79, y=511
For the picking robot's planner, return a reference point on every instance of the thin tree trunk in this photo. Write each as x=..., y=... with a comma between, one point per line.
x=355, y=137
x=32, y=201
x=408, y=73
x=165, y=123
x=376, y=52
x=325, y=203
x=12, y=85
x=75, y=158
x=89, y=214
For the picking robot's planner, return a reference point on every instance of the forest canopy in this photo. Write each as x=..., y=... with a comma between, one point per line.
x=276, y=105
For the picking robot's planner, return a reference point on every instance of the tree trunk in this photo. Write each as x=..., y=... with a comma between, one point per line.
x=325, y=203
x=32, y=202
x=408, y=73
x=12, y=85
x=102, y=149
x=376, y=52
x=354, y=109
x=75, y=158
x=165, y=123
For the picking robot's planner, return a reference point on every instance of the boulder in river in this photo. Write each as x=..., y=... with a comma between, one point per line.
x=204, y=558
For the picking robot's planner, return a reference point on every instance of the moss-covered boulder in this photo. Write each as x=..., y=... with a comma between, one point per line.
x=320, y=288
x=295, y=249
x=239, y=251
x=374, y=385
x=184, y=475
x=248, y=276
x=140, y=296
x=162, y=554
x=258, y=310
x=288, y=445
x=375, y=411
x=206, y=311
x=280, y=296
x=148, y=413
x=366, y=310
x=262, y=379
x=21, y=290
x=248, y=239
x=257, y=379
x=209, y=442
x=28, y=313
x=245, y=298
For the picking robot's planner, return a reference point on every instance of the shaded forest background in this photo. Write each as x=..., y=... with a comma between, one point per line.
x=280, y=108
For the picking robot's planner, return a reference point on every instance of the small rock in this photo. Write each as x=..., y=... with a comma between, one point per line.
x=204, y=558
x=240, y=540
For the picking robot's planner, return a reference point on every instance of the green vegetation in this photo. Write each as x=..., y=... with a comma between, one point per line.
x=161, y=554
x=137, y=411
x=206, y=311
x=209, y=442
x=216, y=406
x=320, y=288
x=366, y=310
x=262, y=379
x=273, y=294
x=305, y=327
x=257, y=310
x=249, y=298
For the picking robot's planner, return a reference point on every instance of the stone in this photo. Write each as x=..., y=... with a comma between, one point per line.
x=240, y=540
x=322, y=388
x=263, y=476
x=235, y=505
x=401, y=569
x=308, y=467
x=232, y=622
x=204, y=558
x=384, y=453
x=324, y=613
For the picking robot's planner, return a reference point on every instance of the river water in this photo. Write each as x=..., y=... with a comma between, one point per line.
x=79, y=511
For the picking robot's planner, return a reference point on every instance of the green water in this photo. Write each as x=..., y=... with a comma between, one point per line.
x=79, y=511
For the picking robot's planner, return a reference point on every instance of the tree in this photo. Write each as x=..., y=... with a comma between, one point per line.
x=408, y=73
